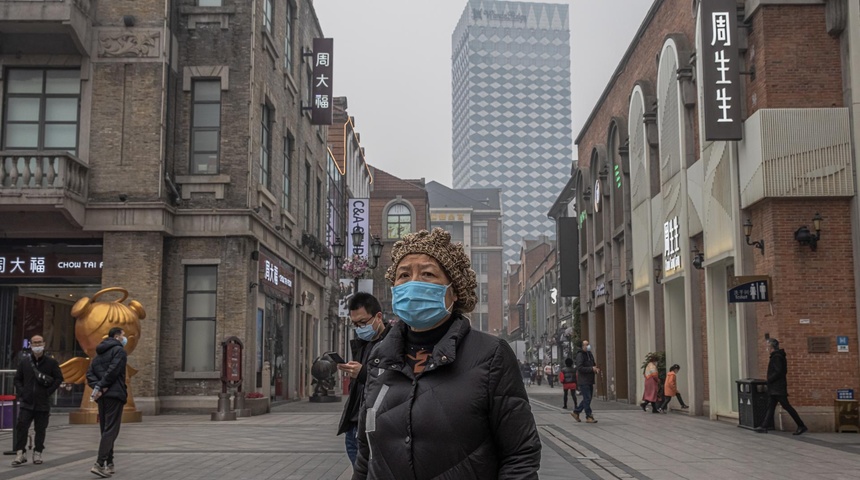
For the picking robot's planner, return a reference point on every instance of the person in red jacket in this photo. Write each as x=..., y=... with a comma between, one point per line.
x=567, y=378
x=670, y=389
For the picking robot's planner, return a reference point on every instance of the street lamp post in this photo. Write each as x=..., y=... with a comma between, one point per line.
x=357, y=240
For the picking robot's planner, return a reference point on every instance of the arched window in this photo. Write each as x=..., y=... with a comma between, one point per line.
x=616, y=173
x=398, y=220
x=640, y=190
x=669, y=108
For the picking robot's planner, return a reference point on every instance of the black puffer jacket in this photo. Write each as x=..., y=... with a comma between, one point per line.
x=777, y=368
x=107, y=370
x=585, y=368
x=32, y=394
x=360, y=351
x=466, y=416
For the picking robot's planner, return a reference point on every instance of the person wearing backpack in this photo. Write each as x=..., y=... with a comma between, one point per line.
x=567, y=377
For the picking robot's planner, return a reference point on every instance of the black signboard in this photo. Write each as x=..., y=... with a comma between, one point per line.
x=276, y=276
x=750, y=289
x=322, y=95
x=521, y=312
x=568, y=256
x=41, y=263
x=721, y=68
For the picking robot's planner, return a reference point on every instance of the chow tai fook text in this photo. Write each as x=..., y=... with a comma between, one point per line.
x=721, y=70
x=16, y=265
x=322, y=87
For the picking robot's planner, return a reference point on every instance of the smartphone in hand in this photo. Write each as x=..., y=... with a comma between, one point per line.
x=335, y=357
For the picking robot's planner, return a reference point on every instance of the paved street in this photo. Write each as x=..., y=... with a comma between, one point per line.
x=297, y=442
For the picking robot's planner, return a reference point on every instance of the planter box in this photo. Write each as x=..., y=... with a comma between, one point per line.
x=258, y=406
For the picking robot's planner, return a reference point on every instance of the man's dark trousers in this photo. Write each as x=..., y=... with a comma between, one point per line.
x=25, y=418
x=110, y=418
x=587, y=392
x=771, y=409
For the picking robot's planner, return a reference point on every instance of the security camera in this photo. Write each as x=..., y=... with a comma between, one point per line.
x=123, y=197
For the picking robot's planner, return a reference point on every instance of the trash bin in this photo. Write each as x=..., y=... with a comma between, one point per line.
x=752, y=402
x=7, y=405
x=847, y=416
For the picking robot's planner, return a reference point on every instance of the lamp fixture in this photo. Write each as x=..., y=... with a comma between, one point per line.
x=337, y=248
x=698, y=258
x=747, y=231
x=252, y=286
x=805, y=237
x=375, y=251
x=357, y=236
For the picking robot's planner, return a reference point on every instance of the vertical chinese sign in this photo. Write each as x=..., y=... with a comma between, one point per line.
x=321, y=107
x=721, y=68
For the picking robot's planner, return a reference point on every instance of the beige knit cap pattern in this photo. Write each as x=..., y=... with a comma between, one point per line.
x=450, y=256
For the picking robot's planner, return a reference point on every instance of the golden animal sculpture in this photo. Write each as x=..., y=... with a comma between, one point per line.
x=93, y=321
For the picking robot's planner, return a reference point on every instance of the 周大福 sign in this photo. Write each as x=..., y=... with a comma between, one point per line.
x=321, y=85
x=25, y=264
x=721, y=70
x=276, y=276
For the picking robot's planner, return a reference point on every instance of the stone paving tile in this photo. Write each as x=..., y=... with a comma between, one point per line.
x=297, y=441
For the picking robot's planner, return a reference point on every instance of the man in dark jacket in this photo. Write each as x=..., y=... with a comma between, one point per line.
x=106, y=376
x=586, y=369
x=37, y=378
x=442, y=401
x=777, y=388
x=365, y=313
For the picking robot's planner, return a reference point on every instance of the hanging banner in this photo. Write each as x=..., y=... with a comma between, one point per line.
x=359, y=218
x=721, y=70
x=322, y=90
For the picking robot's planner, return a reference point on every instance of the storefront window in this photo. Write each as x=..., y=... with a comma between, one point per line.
x=276, y=346
x=199, y=335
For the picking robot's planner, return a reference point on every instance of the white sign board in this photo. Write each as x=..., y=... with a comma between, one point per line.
x=345, y=289
x=671, y=245
x=358, y=221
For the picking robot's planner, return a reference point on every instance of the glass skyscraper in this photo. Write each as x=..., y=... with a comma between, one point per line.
x=511, y=109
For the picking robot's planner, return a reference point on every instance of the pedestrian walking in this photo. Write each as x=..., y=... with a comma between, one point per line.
x=652, y=386
x=37, y=377
x=537, y=374
x=442, y=400
x=527, y=373
x=567, y=377
x=547, y=371
x=106, y=376
x=365, y=313
x=586, y=368
x=777, y=388
x=670, y=389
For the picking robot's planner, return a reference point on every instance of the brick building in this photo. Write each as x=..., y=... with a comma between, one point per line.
x=473, y=216
x=173, y=153
x=397, y=207
x=661, y=203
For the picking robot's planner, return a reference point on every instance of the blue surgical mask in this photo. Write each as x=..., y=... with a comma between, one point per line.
x=366, y=332
x=588, y=348
x=420, y=305
x=124, y=341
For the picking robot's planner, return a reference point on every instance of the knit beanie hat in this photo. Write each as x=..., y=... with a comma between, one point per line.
x=451, y=257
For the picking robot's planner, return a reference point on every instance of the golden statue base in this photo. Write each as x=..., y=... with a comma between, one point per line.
x=90, y=416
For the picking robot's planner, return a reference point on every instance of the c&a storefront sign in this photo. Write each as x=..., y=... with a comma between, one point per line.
x=50, y=263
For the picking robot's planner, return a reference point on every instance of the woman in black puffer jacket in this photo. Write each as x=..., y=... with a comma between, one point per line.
x=442, y=401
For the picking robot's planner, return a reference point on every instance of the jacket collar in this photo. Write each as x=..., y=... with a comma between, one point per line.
x=392, y=351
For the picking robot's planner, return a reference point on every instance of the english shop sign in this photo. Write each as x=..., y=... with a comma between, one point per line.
x=26, y=264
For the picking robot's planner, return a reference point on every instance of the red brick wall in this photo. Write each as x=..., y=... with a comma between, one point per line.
x=673, y=17
x=818, y=286
x=797, y=63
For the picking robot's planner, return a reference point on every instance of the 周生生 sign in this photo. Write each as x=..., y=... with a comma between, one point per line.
x=721, y=70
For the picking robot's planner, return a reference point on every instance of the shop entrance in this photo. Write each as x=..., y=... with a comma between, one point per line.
x=619, y=315
x=599, y=350
x=725, y=345
x=28, y=310
x=277, y=326
x=676, y=331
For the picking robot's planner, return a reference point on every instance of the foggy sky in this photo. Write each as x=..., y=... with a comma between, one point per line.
x=392, y=60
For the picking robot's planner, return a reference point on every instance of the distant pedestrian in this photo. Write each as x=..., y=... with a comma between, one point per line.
x=670, y=389
x=586, y=368
x=567, y=377
x=365, y=314
x=652, y=386
x=527, y=373
x=547, y=371
x=106, y=376
x=777, y=388
x=537, y=375
x=37, y=377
